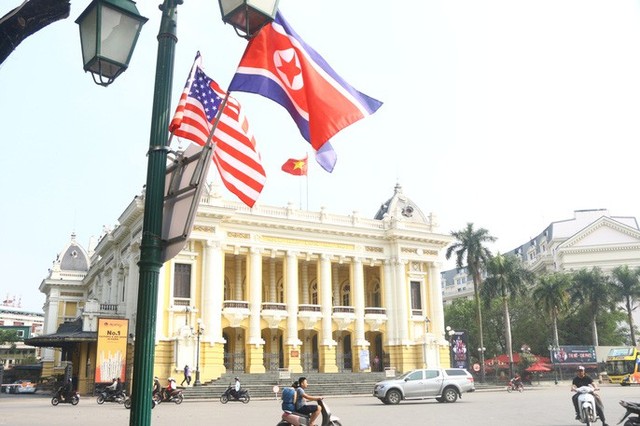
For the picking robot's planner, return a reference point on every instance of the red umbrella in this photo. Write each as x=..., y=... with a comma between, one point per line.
x=538, y=368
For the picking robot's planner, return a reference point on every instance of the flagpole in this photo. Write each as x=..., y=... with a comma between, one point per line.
x=307, y=180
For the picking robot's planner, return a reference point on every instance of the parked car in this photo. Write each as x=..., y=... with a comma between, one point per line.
x=443, y=384
x=22, y=386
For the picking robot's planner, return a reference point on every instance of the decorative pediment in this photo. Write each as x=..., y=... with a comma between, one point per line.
x=604, y=231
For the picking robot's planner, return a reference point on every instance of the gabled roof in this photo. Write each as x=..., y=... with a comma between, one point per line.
x=67, y=333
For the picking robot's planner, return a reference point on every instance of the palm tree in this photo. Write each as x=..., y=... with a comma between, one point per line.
x=592, y=290
x=469, y=247
x=506, y=279
x=626, y=286
x=551, y=295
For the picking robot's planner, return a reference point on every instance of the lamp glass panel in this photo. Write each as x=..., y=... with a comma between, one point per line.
x=88, y=36
x=229, y=6
x=118, y=35
x=268, y=7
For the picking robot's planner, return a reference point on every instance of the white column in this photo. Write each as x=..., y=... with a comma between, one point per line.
x=51, y=321
x=291, y=281
x=401, y=304
x=358, y=296
x=212, y=290
x=437, y=312
x=238, y=278
x=325, y=293
x=389, y=301
x=305, y=282
x=255, y=304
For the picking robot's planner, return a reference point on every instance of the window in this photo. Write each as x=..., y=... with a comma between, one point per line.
x=182, y=281
x=20, y=333
x=345, y=294
x=314, y=293
x=416, y=296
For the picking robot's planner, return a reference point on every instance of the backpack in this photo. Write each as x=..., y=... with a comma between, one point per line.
x=288, y=399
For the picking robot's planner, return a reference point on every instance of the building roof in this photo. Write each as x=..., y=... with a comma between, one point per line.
x=67, y=333
x=399, y=206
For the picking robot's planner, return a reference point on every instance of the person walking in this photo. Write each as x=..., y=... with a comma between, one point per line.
x=187, y=375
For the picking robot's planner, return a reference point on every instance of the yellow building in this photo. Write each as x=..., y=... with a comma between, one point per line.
x=268, y=288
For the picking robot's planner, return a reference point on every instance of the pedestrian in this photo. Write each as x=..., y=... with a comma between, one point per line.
x=187, y=375
x=376, y=363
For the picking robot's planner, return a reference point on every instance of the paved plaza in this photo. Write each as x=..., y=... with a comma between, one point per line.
x=540, y=405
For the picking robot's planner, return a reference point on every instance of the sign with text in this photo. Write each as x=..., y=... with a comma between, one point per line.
x=111, y=355
x=459, y=352
x=574, y=355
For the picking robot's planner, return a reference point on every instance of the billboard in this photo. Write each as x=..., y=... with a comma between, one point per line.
x=569, y=355
x=111, y=354
x=458, y=350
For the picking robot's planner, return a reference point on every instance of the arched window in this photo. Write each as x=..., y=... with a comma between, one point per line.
x=375, y=300
x=345, y=294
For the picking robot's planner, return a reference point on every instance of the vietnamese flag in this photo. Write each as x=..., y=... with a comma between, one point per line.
x=296, y=167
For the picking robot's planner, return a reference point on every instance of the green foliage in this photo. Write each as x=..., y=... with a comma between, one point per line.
x=8, y=336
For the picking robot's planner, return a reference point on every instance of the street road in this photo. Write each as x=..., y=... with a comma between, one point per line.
x=540, y=405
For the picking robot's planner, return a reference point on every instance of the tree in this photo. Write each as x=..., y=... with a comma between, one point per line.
x=551, y=295
x=470, y=247
x=8, y=336
x=592, y=290
x=626, y=288
x=28, y=18
x=506, y=279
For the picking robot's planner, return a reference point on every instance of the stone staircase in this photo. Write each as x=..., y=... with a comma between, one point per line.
x=261, y=385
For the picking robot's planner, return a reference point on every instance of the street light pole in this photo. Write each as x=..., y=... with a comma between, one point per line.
x=199, y=331
x=151, y=245
x=450, y=332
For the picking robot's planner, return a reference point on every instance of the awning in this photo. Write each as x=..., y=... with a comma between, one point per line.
x=67, y=334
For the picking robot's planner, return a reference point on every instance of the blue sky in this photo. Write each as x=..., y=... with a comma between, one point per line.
x=506, y=114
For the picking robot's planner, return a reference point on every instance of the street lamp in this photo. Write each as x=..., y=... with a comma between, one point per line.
x=481, y=351
x=199, y=332
x=450, y=333
x=248, y=16
x=424, y=345
x=109, y=30
x=151, y=246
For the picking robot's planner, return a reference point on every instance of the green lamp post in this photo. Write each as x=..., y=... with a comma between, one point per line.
x=109, y=30
x=247, y=16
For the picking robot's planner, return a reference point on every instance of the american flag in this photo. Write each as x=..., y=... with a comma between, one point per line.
x=235, y=153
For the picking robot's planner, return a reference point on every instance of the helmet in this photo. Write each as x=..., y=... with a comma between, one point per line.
x=580, y=368
x=236, y=378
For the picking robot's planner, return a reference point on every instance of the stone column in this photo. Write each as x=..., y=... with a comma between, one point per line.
x=292, y=343
x=389, y=302
x=335, y=283
x=256, y=344
x=327, y=349
x=402, y=302
x=305, y=283
x=212, y=355
x=358, y=296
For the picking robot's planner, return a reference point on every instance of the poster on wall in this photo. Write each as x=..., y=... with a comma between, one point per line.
x=111, y=355
x=364, y=360
x=459, y=352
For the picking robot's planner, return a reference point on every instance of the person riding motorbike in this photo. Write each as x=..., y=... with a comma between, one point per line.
x=67, y=390
x=580, y=380
x=235, y=392
x=171, y=389
x=157, y=387
x=113, y=387
x=302, y=407
x=516, y=382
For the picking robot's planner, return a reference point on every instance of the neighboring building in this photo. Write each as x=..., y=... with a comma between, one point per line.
x=591, y=238
x=272, y=287
x=25, y=325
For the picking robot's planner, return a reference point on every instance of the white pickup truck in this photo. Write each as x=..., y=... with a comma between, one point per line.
x=443, y=384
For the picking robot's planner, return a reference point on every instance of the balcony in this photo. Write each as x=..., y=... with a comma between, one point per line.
x=309, y=315
x=274, y=313
x=235, y=311
x=343, y=316
x=375, y=317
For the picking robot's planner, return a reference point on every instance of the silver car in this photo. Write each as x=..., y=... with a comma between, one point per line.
x=443, y=384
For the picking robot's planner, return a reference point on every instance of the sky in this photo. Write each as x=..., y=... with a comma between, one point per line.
x=509, y=115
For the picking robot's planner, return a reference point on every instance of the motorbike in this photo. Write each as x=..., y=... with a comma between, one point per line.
x=514, y=386
x=290, y=418
x=175, y=396
x=587, y=405
x=633, y=410
x=127, y=403
x=59, y=397
x=230, y=395
x=105, y=395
